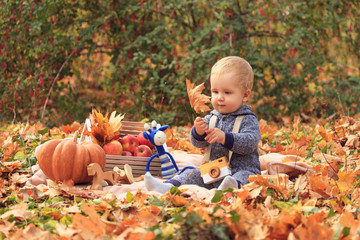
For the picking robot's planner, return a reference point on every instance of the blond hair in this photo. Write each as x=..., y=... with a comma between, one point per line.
x=237, y=65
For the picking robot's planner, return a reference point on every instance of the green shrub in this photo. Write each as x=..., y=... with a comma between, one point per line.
x=302, y=53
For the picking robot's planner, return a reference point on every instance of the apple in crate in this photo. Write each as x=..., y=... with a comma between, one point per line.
x=126, y=153
x=144, y=141
x=143, y=151
x=129, y=143
x=113, y=148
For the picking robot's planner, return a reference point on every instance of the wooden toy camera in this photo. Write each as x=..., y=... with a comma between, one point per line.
x=215, y=170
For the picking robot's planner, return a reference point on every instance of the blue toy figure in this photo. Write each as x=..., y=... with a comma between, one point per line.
x=157, y=137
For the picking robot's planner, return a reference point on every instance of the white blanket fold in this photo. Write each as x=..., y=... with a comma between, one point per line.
x=271, y=164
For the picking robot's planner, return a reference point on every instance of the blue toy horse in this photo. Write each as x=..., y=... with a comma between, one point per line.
x=157, y=137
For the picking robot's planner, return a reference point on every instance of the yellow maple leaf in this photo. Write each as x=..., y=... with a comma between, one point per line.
x=97, y=118
x=105, y=128
x=198, y=100
x=115, y=121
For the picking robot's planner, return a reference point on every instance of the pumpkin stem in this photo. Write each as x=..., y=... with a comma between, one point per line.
x=76, y=136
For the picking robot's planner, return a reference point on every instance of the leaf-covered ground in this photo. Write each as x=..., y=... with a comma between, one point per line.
x=321, y=204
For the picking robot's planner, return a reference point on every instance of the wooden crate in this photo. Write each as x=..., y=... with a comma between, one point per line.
x=133, y=128
x=138, y=164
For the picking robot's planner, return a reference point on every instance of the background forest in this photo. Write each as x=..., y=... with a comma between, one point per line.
x=61, y=58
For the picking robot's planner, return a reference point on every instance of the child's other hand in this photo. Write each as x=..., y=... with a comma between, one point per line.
x=200, y=126
x=215, y=135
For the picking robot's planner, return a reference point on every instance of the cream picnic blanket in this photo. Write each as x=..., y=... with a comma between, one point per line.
x=271, y=164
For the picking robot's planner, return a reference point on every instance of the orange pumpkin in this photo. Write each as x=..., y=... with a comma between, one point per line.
x=65, y=159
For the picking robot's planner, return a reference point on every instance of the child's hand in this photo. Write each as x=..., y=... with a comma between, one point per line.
x=200, y=126
x=215, y=135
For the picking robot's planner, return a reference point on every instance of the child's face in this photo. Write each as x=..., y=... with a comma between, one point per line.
x=227, y=94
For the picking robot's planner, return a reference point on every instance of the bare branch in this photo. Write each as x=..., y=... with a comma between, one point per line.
x=266, y=34
x=52, y=84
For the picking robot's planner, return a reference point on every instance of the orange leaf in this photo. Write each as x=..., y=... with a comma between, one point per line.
x=313, y=228
x=91, y=212
x=9, y=166
x=319, y=184
x=179, y=201
x=301, y=141
x=140, y=235
x=66, y=129
x=347, y=220
x=242, y=195
x=9, y=150
x=145, y=216
x=264, y=180
x=85, y=224
x=265, y=128
x=70, y=128
x=325, y=135
x=346, y=181
x=284, y=223
x=197, y=100
x=55, y=215
x=155, y=210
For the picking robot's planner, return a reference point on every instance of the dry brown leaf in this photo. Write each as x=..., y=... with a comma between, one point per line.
x=332, y=185
x=198, y=101
x=9, y=148
x=18, y=213
x=65, y=232
x=353, y=142
x=6, y=228
x=356, y=126
x=32, y=232
x=9, y=166
x=91, y=212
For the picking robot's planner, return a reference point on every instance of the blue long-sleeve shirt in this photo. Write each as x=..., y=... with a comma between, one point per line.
x=244, y=144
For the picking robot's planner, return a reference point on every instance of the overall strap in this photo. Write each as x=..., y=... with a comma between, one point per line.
x=236, y=129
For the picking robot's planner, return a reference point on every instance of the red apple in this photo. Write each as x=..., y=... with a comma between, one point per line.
x=129, y=143
x=126, y=153
x=143, y=151
x=144, y=141
x=113, y=148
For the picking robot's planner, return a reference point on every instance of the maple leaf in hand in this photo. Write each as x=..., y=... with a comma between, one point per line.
x=198, y=101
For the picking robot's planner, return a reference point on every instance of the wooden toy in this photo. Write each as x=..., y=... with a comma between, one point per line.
x=215, y=170
x=98, y=175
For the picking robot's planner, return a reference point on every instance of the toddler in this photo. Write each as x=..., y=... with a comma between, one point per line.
x=231, y=82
